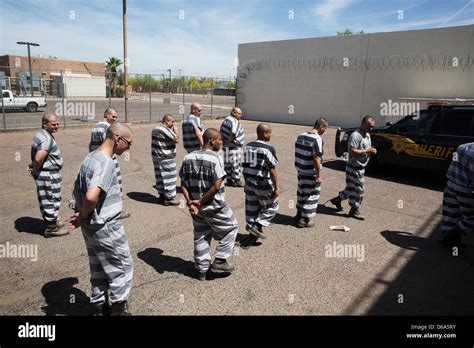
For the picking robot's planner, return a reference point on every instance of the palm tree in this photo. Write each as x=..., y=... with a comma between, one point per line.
x=111, y=65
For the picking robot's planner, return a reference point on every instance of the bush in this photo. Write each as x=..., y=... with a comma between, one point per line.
x=119, y=92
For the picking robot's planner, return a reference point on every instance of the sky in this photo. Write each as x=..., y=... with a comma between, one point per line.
x=201, y=37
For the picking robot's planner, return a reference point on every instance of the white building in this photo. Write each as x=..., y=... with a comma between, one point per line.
x=346, y=77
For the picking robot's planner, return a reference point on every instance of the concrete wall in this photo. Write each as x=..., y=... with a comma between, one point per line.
x=346, y=77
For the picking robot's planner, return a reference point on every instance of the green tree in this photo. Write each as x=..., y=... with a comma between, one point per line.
x=193, y=82
x=209, y=83
x=111, y=67
x=348, y=31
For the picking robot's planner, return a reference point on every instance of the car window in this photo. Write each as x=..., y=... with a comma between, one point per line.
x=456, y=122
x=414, y=124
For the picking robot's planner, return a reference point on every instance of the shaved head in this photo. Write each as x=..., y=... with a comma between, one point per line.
x=196, y=109
x=167, y=117
x=48, y=118
x=263, y=128
x=210, y=134
x=109, y=110
x=119, y=129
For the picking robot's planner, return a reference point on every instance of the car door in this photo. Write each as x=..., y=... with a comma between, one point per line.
x=7, y=99
x=455, y=127
x=409, y=139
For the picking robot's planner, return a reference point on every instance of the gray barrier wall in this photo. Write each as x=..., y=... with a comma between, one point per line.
x=347, y=77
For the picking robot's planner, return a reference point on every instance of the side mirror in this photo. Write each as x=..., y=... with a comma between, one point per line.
x=388, y=124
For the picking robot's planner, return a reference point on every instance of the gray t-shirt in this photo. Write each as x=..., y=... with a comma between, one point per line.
x=98, y=170
x=359, y=140
x=44, y=141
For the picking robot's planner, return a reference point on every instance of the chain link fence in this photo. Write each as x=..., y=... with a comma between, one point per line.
x=79, y=98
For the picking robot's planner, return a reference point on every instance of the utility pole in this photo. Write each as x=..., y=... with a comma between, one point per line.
x=29, y=60
x=169, y=84
x=125, y=58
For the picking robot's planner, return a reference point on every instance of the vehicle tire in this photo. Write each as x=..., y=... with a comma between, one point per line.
x=32, y=107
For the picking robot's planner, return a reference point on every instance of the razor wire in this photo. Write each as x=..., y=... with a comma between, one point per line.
x=372, y=63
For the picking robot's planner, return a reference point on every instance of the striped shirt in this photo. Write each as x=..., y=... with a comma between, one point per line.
x=461, y=170
x=44, y=141
x=98, y=170
x=190, y=123
x=98, y=134
x=359, y=141
x=307, y=146
x=259, y=159
x=162, y=146
x=198, y=173
x=230, y=126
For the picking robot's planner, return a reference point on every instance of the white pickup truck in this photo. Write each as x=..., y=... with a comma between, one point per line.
x=13, y=102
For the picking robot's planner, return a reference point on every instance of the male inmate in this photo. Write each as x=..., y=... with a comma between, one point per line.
x=308, y=162
x=46, y=163
x=261, y=184
x=98, y=135
x=98, y=207
x=359, y=148
x=163, y=152
x=202, y=175
x=192, y=129
x=458, y=198
x=233, y=140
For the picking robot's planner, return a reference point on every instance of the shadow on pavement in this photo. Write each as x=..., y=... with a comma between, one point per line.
x=285, y=220
x=434, y=281
x=164, y=263
x=62, y=298
x=143, y=197
x=412, y=177
x=30, y=225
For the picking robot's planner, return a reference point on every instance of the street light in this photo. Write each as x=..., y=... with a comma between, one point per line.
x=29, y=60
x=169, y=84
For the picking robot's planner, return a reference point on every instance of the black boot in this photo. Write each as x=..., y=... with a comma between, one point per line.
x=119, y=308
x=52, y=230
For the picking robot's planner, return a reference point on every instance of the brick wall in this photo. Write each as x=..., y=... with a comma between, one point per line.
x=43, y=67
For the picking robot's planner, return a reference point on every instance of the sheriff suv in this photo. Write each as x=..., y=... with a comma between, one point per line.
x=424, y=141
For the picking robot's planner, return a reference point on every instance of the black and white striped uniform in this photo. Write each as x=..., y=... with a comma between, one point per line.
x=458, y=199
x=190, y=124
x=110, y=259
x=307, y=146
x=198, y=173
x=261, y=205
x=232, y=152
x=163, y=153
x=355, y=168
x=48, y=179
x=98, y=135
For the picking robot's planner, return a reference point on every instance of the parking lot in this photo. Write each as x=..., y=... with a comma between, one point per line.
x=142, y=108
x=400, y=267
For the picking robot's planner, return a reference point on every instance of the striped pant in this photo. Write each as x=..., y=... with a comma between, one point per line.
x=260, y=204
x=219, y=223
x=307, y=195
x=233, y=162
x=458, y=208
x=165, y=177
x=110, y=262
x=48, y=189
x=354, y=185
x=119, y=173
